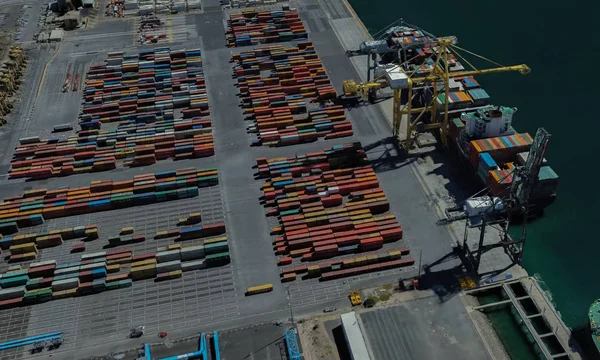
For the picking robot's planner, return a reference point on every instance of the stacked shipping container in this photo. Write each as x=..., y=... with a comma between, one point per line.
x=326, y=203
x=33, y=207
x=24, y=246
x=159, y=99
x=251, y=27
x=275, y=102
x=97, y=272
x=500, y=148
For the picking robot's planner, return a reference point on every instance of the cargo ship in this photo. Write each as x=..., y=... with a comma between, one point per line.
x=490, y=149
x=480, y=134
x=594, y=319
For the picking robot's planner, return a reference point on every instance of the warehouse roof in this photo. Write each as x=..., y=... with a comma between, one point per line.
x=354, y=337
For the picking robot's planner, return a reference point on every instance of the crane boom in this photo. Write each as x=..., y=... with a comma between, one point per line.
x=523, y=69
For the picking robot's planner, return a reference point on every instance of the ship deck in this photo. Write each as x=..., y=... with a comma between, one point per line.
x=418, y=187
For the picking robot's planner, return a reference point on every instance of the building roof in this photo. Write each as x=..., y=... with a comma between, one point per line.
x=354, y=337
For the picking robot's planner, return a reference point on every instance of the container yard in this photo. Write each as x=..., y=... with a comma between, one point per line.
x=285, y=93
x=161, y=192
x=251, y=27
x=158, y=98
x=331, y=223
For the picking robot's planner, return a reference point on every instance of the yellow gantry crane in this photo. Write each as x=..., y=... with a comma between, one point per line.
x=405, y=82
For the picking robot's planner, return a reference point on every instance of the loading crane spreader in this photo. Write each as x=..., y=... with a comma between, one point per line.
x=405, y=84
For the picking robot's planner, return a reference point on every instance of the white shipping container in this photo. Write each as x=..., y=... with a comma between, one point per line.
x=12, y=293
x=93, y=255
x=192, y=252
x=87, y=267
x=29, y=140
x=65, y=284
x=65, y=271
x=42, y=263
x=193, y=265
x=168, y=266
x=166, y=256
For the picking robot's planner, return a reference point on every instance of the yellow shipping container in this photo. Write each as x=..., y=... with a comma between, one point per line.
x=64, y=294
x=360, y=260
x=215, y=240
x=143, y=272
x=335, y=211
x=359, y=212
x=359, y=217
x=143, y=263
x=395, y=254
x=29, y=256
x=23, y=248
x=313, y=269
x=161, y=234
x=127, y=230
x=259, y=289
x=119, y=261
x=113, y=268
x=176, y=273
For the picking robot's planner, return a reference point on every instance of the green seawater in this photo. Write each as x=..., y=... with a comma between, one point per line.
x=558, y=40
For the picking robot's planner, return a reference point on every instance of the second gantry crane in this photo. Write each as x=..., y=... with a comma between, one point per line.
x=406, y=83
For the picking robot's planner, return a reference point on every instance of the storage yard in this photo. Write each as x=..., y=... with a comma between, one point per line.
x=144, y=185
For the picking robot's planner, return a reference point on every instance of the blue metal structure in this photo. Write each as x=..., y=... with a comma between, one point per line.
x=147, y=352
x=291, y=342
x=216, y=343
x=202, y=346
x=30, y=340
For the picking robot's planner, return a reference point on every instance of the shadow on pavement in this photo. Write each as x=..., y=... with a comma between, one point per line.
x=340, y=342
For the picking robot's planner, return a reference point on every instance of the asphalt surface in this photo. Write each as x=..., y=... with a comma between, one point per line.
x=208, y=299
x=422, y=329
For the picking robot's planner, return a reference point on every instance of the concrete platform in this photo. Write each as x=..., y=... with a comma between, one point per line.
x=422, y=329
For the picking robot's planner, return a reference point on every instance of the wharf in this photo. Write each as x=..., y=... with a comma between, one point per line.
x=518, y=292
x=216, y=302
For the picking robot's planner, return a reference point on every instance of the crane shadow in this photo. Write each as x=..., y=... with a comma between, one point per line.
x=386, y=154
x=276, y=342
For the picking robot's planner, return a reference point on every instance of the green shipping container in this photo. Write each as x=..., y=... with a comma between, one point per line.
x=14, y=281
x=112, y=285
x=216, y=248
x=125, y=283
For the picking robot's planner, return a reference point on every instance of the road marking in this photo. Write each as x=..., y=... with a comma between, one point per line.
x=45, y=70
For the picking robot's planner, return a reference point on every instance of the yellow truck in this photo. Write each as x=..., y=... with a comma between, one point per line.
x=355, y=298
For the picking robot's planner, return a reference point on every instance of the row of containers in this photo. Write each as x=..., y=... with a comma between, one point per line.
x=496, y=159
x=330, y=207
x=24, y=247
x=276, y=104
x=130, y=144
x=158, y=97
x=106, y=270
x=251, y=27
x=35, y=206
